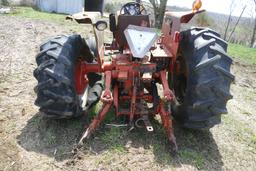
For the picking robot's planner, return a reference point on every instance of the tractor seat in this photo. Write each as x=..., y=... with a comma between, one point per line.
x=124, y=21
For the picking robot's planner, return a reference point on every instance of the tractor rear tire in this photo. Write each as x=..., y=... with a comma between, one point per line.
x=202, y=80
x=56, y=92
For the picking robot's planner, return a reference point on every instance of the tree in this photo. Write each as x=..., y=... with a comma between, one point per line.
x=254, y=28
x=236, y=24
x=231, y=9
x=203, y=20
x=4, y=2
x=159, y=7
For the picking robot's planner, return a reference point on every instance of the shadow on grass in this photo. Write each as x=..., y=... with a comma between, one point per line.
x=57, y=138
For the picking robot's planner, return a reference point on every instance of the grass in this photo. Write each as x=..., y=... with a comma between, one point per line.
x=29, y=12
x=245, y=53
x=193, y=156
x=114, y=139
x=74, y=27
x=238, y=51
x=241, y=131
x=110, y=116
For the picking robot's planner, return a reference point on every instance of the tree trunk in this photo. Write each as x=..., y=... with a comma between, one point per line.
x=253, y=33
x=254, y=28
x=160, y=16
x=159, y=10
x=226, y=30
x=236, y=24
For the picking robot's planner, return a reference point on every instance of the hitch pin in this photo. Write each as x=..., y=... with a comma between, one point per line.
x=147, y=124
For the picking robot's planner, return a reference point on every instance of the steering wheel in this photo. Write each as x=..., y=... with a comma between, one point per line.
x=133, y=8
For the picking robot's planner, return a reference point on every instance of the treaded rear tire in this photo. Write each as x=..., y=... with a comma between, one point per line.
x=56, y=93
x=205, y=82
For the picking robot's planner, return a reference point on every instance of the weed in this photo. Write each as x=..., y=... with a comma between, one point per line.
x=118, y=148
x=162, y=153
x=113, y=139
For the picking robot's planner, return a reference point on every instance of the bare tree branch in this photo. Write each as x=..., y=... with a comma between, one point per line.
x=254, y=28
x=236, y=24
x=231, y=9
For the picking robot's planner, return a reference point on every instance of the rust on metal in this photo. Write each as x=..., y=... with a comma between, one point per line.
x=130, y=83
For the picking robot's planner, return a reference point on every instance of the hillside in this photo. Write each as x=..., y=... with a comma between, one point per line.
x=242, y=33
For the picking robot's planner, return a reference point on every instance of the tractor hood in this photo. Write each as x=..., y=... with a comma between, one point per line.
x=140, y=39
x=85, y=17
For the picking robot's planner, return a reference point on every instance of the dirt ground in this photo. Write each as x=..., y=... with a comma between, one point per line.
x=30, y=142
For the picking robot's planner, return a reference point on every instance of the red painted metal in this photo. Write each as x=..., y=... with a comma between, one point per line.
x=95, y=123
x=106, y=96
x=176, y=37
x=128, y=77
x=116, y=98
x=80, y=78
x=167, y=123
x=146, y=97
x=168, y=94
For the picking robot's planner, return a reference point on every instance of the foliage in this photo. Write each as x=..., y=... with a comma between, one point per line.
x=109, y=8
x=112, y=7
x=203, y=20
x=4, y=2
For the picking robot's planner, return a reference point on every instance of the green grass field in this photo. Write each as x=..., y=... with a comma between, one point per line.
x=29, y=12
x=245, y=53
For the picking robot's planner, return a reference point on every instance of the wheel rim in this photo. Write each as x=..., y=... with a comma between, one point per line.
x=82, y=86
x=180, y=79
x=84, y=98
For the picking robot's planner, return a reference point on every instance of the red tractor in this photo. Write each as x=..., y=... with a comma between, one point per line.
x=191, y=66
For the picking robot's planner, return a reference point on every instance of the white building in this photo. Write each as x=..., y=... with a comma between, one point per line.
x=70, y=6
x=61, y=6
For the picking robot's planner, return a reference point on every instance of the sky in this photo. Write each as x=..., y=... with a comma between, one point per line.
x=219, y=6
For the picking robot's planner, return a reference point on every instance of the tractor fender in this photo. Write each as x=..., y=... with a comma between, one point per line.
x=92, y=18
x=184, y=16
x=85, y=17
x=171, y=29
